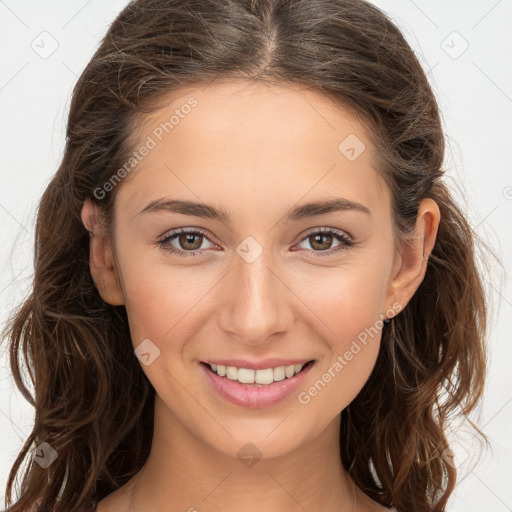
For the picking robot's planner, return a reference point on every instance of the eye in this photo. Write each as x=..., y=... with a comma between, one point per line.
x=189, y=241
x=322, y=238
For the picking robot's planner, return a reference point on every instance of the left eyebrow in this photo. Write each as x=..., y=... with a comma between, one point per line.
x=323, y=207
x=211, y=212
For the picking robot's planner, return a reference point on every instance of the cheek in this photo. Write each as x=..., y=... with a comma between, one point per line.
x=345, y=301
x=352, y=348
x=338, y=380
x=163, y=303
x=348, y=307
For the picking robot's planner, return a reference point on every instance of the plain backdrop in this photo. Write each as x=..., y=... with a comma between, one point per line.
x=465, y=48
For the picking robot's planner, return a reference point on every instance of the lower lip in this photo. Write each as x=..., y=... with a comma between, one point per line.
x=255, y=396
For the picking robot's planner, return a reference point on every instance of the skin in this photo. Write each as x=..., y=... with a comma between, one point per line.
x=256, y=151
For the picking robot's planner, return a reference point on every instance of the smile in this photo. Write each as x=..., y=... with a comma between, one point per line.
x=263, y=377
x=265, y=386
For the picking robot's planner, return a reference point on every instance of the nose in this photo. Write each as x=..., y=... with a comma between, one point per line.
x=259, y=300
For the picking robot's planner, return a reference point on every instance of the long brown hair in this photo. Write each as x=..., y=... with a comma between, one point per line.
x=93, y=403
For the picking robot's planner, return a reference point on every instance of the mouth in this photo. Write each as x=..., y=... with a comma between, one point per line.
x=260, y=390
x=259, y=376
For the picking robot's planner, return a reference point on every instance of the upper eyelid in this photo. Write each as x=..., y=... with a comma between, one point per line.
x=178, y=231
x=195, y=230
x=321, y=229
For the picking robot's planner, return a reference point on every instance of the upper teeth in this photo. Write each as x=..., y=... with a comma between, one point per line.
x=248, y=376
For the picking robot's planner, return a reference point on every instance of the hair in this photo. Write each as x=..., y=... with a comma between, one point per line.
x=93, y=403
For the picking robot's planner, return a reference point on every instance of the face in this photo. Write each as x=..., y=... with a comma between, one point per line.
x=257, y=278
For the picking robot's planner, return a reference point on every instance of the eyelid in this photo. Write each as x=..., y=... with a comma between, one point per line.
x=346, y=239
x=168, y=235
x=190, y=229
x=325, y=229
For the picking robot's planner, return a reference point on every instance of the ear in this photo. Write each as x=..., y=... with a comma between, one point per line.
x=101, y=259
x=410, y=264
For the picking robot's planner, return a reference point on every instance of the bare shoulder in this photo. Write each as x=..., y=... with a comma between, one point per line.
x=118, y=501
x=35, y=508
x=380, y=508
x=370, y=505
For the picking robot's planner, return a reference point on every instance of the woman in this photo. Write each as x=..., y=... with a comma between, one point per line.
x=252, y=288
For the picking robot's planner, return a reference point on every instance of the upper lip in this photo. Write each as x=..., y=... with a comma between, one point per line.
x=258, y=365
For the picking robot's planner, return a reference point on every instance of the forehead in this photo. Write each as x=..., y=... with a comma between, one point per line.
x=274, y=114
x=230, y=139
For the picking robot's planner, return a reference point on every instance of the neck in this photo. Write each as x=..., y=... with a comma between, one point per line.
x=183, y=473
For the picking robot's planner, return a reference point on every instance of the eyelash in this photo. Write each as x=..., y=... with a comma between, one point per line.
x=346, y=241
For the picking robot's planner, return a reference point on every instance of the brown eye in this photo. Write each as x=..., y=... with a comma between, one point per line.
x=186, y=241
x=321, y=241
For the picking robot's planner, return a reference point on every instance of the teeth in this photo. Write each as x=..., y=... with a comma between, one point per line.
x=245, y=375
x=262, y=377
x=279, y=373
x=232, y=373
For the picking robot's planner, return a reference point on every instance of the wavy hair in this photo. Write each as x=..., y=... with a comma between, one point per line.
x=93, y=403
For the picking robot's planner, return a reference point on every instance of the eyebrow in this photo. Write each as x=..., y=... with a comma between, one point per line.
x=295, y=214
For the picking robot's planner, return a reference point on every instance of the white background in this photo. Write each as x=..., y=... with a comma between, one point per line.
x=474, y=89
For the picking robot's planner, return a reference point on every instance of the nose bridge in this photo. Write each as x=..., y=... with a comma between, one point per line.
x=257, y=305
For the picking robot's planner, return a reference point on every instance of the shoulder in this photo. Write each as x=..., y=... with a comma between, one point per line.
x=36, y=508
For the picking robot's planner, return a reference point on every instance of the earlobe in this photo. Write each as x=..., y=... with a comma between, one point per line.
x=413, y=259
x=101, y=258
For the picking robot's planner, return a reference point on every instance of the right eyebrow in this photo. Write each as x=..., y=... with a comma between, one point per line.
x=211, y=212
